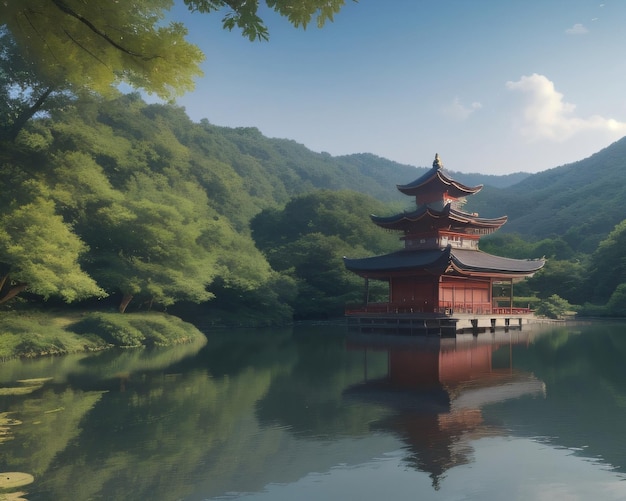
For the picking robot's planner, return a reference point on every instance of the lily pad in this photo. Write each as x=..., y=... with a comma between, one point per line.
x=5, y=420
x=13, y=496
x=34, y=381
x=19, y=390
x=13, y=479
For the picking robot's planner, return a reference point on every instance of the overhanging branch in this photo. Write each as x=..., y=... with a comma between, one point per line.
x=64, y=8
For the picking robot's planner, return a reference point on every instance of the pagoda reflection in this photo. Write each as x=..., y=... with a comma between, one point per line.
x=435, y=391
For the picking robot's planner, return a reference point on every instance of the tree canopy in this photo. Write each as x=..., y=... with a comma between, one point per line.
x=63, y=48
x=245, y=15
x=135, y=203
x=100, y=45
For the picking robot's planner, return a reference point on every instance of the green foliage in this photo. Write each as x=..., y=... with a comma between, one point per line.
x=36, y=334
x=608, y=265
x=520, y=301
x=554, y=307
x=332, y=213
x=40, y=251
x=135, y=329
x=580, y=202
x=126, y=198
x=244, y=15
x=520, y=247
x=617, y=302
x=54, y=51
x=564, y=278
x=508, y=245
x=308, y=239
x=114, y=329
x=269, y=304
x=22, y=93
x=593, y=310
x=80, y=45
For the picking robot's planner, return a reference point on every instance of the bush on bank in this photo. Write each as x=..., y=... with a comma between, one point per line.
x=40, y=334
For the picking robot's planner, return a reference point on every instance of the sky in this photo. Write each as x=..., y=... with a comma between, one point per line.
x=493, y=87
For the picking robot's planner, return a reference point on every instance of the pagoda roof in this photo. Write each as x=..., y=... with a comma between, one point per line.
x=448, y=260
x=466, y=260
x=435, y=261
x=436, y=181
x=430, y=217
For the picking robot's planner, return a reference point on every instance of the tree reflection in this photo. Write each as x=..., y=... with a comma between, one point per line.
x=255, y=408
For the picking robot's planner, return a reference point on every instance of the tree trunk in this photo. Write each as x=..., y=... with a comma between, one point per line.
x=12, y=291
x=11, y=131
x=125, y=300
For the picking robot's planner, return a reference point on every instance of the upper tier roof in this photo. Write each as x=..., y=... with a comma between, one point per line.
x=449, y=260
x=427, y=218
x=436, y=182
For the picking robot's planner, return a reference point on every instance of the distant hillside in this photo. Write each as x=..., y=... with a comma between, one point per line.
x=495, y=181
x=581, y=202
x=245, y=172
x=291, y=168
x=389, y=173
x=296, y=169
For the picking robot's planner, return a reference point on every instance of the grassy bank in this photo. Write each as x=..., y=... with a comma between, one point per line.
x=39, y=334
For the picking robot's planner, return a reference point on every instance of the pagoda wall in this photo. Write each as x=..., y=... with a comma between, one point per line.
x=440, y=240
x=465, y=295
x=416, y=294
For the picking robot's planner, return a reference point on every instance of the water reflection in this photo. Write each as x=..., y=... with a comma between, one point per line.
x=436, y=389
x=313, y=411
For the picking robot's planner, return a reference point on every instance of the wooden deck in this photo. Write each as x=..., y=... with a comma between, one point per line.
x=436, y=324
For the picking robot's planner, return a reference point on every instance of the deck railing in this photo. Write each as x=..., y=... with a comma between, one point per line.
x=445, y=308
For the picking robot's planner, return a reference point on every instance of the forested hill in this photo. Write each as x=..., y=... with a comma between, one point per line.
x=291, y=168
x=581, y=202
x=136, y=203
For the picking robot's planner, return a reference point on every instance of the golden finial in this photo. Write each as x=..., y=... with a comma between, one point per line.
x=437, y=163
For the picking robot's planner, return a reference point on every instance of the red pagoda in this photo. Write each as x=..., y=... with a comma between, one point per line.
x=440, y=272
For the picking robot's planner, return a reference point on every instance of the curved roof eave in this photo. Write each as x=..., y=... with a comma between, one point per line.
x=435, y=261
x=462, y=261
x=475, y=261
x=436, y=175
x=411, y=217
x=398, y=221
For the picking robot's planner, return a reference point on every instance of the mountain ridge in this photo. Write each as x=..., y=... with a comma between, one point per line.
x=581, y=201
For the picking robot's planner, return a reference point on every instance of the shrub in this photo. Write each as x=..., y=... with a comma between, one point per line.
x=554, y=307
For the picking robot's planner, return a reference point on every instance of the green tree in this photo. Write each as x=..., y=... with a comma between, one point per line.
x=244, y=15
x=617, y=302
x=341, y=213
x=100, y=45
x=150, y=245
x=508, y=245
x=564, y=278
x=61, y=48
x=607, y=267
x=324, y=285
x=554, y=307
x=137, y=196
x=308, y=238
x=39, y=253
x=22, y=93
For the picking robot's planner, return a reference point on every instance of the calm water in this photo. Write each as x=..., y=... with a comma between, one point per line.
x=313, y=414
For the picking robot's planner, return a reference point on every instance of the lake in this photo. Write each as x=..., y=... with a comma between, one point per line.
x=314, y=413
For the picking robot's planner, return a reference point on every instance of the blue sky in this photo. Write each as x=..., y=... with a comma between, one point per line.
x=492, y=86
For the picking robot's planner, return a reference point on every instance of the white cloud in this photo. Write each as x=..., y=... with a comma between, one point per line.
x=577, y=29
x=547, y=116
x=459, y=111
